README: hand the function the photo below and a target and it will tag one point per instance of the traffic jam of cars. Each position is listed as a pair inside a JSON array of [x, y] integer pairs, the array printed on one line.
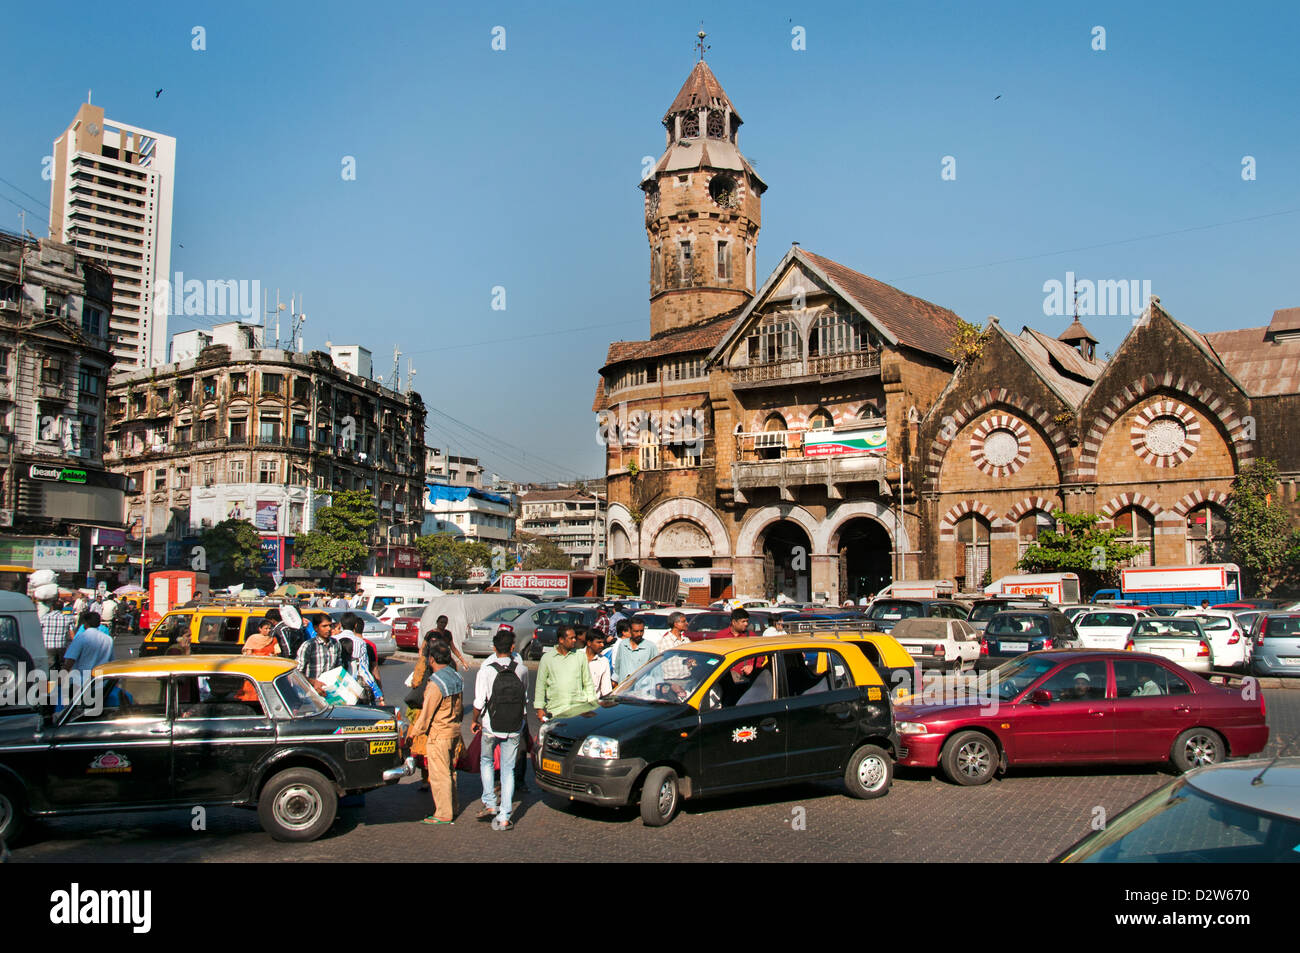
[[754, 695]]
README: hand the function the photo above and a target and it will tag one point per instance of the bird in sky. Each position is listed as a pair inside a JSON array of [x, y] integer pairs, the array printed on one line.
[[157, 93], [997, 97]]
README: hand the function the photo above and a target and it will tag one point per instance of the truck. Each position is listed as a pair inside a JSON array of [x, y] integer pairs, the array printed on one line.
[[1061, 588], [918, 589], [379, 592], [1183, 585], [171, 588], [649, 583]]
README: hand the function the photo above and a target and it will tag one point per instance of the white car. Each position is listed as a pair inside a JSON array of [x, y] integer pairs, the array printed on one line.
[[393, 610], [950, 644], [1105, 628], [656, 621], [1228, 638], [1073, 612]]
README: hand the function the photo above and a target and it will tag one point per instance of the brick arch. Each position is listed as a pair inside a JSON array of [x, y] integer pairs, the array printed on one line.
[[1197, 497], [971, 408], [685, 508], [1028, 505], [759, 520], [1115, 504], [1208, 402], [948, 525]]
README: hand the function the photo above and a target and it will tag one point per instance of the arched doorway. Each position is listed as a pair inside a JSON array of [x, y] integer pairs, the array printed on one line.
[[866, 564], [787, 561]]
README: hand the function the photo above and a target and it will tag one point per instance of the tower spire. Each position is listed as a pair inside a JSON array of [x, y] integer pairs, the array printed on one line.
[[699, 43]]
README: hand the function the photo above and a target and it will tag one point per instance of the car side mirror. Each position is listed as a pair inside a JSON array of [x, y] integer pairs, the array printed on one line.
[[1040, 697]]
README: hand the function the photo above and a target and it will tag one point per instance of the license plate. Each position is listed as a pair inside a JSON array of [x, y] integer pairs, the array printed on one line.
[[1289, 661], [1015, 646], [1168, 653], [552, 766], [383, 747]]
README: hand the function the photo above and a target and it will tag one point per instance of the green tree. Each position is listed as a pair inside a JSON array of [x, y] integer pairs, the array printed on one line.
[[541, 553], [341, 539], [1263, 539], [234, 553], [449, 559], [1093, 553]]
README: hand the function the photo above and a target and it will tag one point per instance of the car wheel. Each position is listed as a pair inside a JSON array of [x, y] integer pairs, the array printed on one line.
[[297, 805], [1196, 747], [11, 814], [969, 758], [869, 772], [660, 797], [12, 657]]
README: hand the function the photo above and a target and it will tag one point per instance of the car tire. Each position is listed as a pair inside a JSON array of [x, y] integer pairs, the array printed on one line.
[[969, 758], [1196, 747], [660, 797], [12, 820], [869, 773], [298, 804], [11, 658]]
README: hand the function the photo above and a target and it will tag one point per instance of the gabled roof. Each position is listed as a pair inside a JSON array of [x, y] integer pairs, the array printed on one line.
[[1285, 319], [1060, 366], [699, 337], [700, 89], [902, 319]]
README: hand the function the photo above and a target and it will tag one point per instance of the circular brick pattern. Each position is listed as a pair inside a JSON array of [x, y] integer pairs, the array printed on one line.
[[1000, 445], [1165, 433]]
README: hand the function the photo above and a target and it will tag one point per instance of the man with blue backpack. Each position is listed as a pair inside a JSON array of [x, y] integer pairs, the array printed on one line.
[[500, 702]]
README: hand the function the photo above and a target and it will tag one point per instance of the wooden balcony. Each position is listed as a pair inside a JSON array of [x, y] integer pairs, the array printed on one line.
[[854, 363]]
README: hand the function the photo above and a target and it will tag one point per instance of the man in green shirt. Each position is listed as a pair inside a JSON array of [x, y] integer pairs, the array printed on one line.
[[564, 678]]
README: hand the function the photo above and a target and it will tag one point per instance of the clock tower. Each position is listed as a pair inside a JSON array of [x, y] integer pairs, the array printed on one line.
[[702, 210]]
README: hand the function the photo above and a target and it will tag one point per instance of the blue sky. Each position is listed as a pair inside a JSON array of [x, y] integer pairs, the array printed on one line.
[[519, 168]]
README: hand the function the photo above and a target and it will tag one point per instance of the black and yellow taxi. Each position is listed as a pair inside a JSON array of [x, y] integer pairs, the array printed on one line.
[[214, 629], [901, 672], [726, 715], [196, 730]]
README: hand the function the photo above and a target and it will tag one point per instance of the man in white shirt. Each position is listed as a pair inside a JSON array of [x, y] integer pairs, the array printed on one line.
[[593, 642], [106, 612], [508, 737], [676, 634]]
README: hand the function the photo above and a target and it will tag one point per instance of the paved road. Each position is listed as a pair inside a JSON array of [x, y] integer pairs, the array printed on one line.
[[1025, 816]]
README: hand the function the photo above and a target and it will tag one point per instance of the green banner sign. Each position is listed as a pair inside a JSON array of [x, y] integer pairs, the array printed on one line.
[[825, 443]]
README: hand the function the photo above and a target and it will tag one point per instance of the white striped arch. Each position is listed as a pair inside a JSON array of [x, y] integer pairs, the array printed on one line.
[[1204, 398], [692, 510], [948, 525], [969, 409], [1125, 500], [1028, 505], [1194, 499]]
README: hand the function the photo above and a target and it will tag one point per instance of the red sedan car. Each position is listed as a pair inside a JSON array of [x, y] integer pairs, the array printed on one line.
[[406, 631], [1068, 706]]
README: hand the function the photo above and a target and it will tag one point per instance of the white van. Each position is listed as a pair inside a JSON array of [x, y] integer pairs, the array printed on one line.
[[918, 589], [380, 592]]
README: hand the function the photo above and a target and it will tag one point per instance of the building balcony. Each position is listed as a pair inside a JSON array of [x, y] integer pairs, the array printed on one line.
[[778, 462], [853, 363]]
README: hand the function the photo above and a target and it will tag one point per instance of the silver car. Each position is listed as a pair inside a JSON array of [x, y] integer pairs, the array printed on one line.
[[1178, 639], [481, 633], [377, 631]]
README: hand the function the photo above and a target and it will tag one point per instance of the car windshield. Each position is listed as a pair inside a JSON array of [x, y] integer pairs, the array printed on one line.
[[298, 694], [982, 613], [503, 615], [653, 620], [670, 678], [1016, 624], [1214, 622], [890, 609], [705, 621], [1012, 678], [1281, 625], [1167, 628], [1180, 825], [1108, 619]]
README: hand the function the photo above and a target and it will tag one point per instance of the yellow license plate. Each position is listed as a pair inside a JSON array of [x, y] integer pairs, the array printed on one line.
[[383, 747], [553, 766]]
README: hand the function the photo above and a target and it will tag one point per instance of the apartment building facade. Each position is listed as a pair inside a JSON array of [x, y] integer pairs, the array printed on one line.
[[266, 435], [572, 519], [56, 496], [111, 200]]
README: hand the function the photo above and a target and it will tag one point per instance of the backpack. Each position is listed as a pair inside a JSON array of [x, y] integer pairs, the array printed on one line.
[[505, 706]]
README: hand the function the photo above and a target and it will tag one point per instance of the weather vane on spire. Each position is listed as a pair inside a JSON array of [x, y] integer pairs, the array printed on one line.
[[700, 43]]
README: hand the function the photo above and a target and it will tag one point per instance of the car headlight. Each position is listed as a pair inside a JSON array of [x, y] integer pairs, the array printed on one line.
[[911, 728], [595, 746]]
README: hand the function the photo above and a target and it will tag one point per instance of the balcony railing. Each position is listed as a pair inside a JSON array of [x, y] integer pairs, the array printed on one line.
[[776, 460], [816, 366]]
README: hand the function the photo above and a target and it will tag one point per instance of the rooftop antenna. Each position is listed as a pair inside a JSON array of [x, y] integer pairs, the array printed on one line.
[[395, 382], [410, 374], [299, 320]]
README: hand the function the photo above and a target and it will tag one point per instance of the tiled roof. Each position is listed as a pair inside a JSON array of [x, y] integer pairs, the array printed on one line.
[[554, 496], [914, 321], [598, 403], [1285, 319], [700, 337], [1075, 331], [1060, 365], [1265, 367], [700, 89]]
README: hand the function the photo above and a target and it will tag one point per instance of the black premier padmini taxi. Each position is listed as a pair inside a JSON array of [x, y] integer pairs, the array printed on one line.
[[727, 715], [196, 730]]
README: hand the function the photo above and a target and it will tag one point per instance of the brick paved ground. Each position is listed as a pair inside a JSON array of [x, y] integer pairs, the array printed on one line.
[[1026, 816]]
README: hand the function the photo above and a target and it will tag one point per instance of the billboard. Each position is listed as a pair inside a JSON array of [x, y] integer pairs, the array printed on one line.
[[267, 518], [547, 581], [826, 442]]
